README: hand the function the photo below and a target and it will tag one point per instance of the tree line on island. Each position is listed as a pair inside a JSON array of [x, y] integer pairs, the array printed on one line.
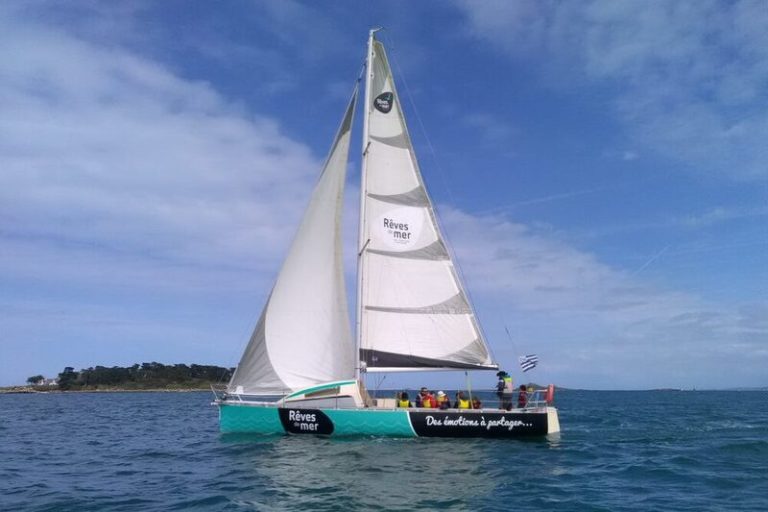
[[144, 376]]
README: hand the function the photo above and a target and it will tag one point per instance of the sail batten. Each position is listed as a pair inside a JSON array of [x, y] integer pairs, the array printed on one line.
[[413, 311], [435, 251], [456, 305], [415, 197], [396, 141]]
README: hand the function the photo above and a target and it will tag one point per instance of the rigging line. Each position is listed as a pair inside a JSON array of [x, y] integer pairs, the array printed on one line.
[[379, 382], [559, 196], [441, 173], [362, 71], [432, 151], [651, 260], [722, 247], [538, 200], [514, 345]]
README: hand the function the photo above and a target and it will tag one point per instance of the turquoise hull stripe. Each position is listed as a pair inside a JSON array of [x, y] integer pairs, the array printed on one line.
[[346, 422], [238, 418], [351, 422]]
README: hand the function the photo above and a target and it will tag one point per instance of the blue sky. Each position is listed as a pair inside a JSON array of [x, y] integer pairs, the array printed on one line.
[[600, 169]]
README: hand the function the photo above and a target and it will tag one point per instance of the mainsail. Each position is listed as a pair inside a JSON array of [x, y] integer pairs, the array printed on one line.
[[303, 336], [413, 311]]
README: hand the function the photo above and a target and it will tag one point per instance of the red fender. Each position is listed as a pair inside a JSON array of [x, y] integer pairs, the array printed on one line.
[[550, 396]]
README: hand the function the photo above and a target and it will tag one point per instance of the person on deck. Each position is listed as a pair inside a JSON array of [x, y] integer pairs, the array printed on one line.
[[442, 401], [426, 399], [462, 402], [476, 403], [522, 397], [504, 390], [402, 400]]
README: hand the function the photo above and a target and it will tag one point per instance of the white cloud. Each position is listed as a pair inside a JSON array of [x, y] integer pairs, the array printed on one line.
[[128, 194], [594, 324], [687, 78], [718, 216], [492, 130], [104, 151], [629, 155]]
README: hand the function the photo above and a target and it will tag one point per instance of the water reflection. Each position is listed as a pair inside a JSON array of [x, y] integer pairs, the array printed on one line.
[[362, 473]]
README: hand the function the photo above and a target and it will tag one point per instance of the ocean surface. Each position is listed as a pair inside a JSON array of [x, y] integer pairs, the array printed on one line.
[[660, 450]]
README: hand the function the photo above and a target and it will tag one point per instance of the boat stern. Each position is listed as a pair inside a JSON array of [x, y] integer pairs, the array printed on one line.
[[553, 421]]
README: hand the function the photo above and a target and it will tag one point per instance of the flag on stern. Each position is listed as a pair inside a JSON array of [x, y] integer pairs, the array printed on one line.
[[528, 362]]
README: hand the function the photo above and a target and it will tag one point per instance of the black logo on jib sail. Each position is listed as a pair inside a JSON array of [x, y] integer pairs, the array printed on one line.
[[383, 102]]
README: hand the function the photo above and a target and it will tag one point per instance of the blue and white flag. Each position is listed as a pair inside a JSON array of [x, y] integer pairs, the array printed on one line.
[[528, 362]]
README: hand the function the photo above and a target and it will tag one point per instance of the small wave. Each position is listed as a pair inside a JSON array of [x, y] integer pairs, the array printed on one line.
[[755, 447], [207, 501]]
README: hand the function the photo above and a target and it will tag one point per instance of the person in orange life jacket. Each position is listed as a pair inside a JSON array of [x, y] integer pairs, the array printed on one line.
[[402, 400], [442, 401], [522, 397], [426, 399], [476, 403], [504, 390], [462, 402]]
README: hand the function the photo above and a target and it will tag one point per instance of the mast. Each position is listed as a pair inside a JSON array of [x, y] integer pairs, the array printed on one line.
[[361, 244]]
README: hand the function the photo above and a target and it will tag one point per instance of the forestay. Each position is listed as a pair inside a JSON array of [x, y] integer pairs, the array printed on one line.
[[414, 311]]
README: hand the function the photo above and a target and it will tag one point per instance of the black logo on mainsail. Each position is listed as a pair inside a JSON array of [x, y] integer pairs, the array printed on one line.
[[383, 102]]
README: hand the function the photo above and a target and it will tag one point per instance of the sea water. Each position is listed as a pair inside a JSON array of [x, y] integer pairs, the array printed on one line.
[[653, 450]]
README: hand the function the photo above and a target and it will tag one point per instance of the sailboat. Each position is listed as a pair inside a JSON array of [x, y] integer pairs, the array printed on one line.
[[302, 370]]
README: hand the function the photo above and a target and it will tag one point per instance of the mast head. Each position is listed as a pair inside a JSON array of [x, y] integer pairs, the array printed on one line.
[[373, 31]]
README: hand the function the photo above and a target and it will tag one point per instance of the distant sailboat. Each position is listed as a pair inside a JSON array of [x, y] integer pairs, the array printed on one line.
[[412, 311]]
